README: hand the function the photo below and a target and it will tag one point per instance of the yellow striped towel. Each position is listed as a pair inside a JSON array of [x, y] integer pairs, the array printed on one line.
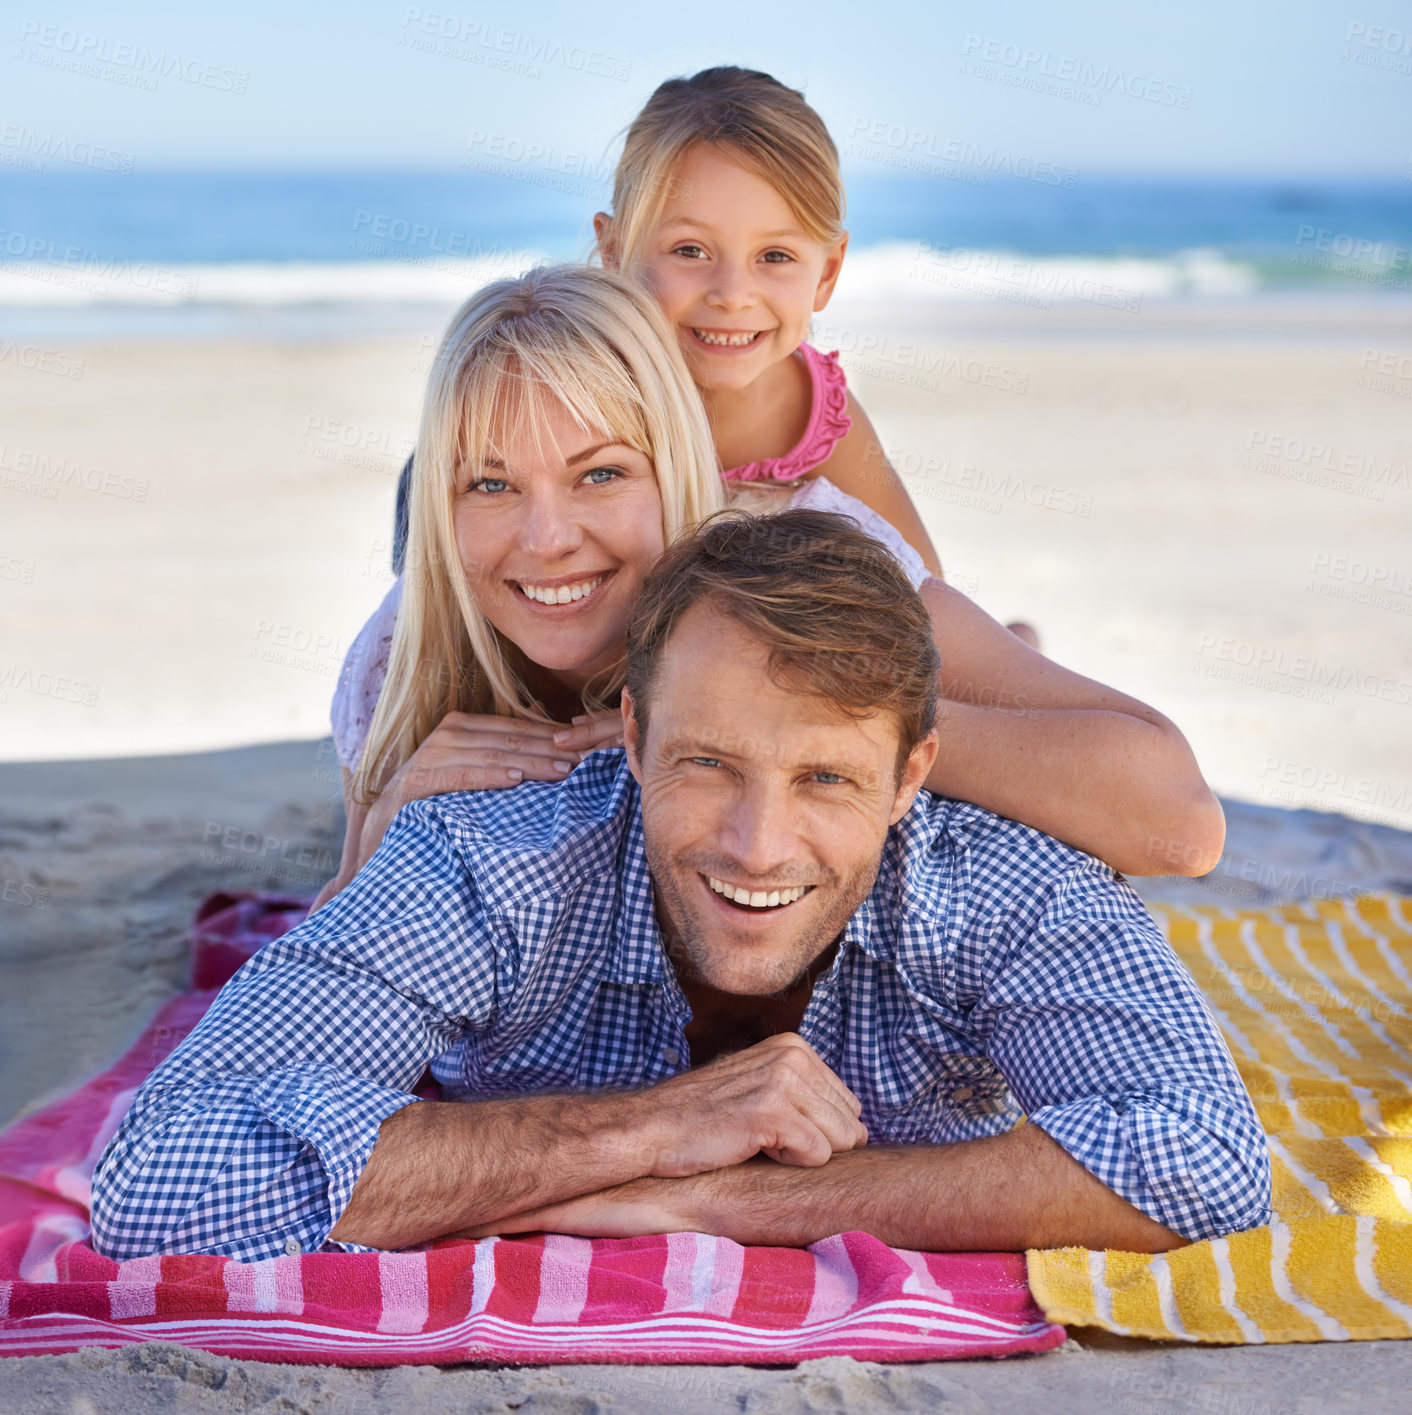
[[1315, 1000]]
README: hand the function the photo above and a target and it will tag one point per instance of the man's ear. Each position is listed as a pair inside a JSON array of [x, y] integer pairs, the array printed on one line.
[[632, 737], [914, 775], [833, 265], [603, 234]]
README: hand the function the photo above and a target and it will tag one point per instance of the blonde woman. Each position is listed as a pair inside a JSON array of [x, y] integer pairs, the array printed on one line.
[[562, 446]]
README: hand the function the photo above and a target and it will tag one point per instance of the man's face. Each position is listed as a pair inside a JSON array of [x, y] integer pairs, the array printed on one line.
[[764, 810]]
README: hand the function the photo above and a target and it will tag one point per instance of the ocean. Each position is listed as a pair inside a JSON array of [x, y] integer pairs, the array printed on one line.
[[87, 254]]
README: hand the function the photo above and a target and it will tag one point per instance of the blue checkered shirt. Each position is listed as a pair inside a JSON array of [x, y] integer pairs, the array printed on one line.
[[509, 939]]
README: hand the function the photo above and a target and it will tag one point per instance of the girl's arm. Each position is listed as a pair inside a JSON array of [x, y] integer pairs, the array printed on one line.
[[1030, 740], [859, 466]]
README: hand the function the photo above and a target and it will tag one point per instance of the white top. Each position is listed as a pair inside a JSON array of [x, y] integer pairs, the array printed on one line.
[[365, 667]]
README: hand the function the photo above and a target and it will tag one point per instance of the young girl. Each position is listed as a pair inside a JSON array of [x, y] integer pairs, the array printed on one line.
[[727, 204]]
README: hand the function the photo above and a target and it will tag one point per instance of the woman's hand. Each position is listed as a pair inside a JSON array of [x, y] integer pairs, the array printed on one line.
[[591, 731], [477, 752]]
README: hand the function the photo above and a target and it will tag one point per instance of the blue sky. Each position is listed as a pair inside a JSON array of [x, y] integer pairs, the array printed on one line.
[[1301, 87]]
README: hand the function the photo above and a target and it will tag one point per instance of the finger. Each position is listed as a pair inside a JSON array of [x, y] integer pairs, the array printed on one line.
[[492, 722], [821, 1075], [585, 736], [801, 1143], [502, 729], [842, 1130], [496, 751], [790, 1050], [442, 779]]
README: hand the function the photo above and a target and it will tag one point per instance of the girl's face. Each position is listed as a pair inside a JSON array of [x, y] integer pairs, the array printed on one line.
[[733, 270], [556, 539]]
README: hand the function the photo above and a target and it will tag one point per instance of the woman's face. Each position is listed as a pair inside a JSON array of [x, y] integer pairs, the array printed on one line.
[[556, 539]]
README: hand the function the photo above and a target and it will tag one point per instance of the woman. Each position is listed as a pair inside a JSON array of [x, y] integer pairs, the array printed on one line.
[[562, 445]]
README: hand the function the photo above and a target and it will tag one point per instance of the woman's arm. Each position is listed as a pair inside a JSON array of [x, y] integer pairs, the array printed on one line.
[[1030, 740], [859, 466], [354, 813]]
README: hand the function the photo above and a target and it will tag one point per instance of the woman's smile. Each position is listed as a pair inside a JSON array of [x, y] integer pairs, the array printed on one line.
[[567, 590]]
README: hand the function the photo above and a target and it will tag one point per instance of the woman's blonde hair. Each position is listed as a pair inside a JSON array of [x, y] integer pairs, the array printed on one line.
[[569, 333], [767, 127]]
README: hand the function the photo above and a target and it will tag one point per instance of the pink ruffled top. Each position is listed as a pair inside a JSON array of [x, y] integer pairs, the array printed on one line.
[[828, 424]]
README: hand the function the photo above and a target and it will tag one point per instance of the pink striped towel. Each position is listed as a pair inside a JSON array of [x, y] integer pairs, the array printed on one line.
[[682, 1297]]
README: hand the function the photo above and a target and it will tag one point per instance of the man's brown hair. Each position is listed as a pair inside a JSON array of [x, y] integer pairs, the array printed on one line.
[[838, 615]]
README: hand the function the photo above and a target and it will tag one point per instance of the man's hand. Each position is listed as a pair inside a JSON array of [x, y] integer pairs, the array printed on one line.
[[776, 1098]]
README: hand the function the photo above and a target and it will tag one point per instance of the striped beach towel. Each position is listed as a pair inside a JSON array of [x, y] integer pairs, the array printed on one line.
[[682, 1297], [1315, 1000]]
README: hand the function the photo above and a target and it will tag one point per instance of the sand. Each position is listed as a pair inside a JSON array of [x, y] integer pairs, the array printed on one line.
[[193, 531], [1210, 512]]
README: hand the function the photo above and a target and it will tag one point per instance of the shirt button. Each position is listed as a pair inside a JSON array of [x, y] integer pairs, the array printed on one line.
[[671, 1055], [291, 1246], [964, 1094]]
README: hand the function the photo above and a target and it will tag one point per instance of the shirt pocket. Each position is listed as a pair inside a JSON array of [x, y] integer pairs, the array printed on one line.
[[935, 1092]]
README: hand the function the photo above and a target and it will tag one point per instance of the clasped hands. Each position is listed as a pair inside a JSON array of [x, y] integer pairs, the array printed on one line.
[[773, 1103]]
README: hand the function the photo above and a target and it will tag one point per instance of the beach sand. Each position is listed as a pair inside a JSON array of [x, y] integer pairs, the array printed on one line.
[[193, 531]]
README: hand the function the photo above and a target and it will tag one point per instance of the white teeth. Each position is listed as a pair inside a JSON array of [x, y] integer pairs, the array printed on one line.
[[759, 898], [731, 341], [561, 594]]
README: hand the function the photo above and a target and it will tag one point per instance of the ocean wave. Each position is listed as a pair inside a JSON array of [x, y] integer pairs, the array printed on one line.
[[435, 280], [914, 270], [908, 271]]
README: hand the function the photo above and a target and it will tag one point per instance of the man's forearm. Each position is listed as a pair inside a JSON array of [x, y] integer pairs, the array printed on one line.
[[1114, 785], [440, 1167], [1007, 1193]]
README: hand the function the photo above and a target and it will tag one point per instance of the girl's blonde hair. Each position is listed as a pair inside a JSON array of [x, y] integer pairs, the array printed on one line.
[[767, 127], [600, 346]]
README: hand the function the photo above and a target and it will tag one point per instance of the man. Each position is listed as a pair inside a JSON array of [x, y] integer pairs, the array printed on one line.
[[742, 978]]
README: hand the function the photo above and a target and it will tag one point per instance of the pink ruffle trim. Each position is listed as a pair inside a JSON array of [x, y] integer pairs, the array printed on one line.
[[829, 424]]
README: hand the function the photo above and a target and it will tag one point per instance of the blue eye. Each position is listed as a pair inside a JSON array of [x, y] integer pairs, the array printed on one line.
[[828, 778], [601, 476], [706, 761], [490, 485]]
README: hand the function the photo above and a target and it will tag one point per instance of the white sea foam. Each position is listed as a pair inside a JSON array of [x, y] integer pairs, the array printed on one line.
[[434, 280], [916, 270], [895, 270]]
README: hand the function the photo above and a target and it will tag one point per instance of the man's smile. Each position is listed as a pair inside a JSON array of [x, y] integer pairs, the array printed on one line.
[[777, 897]]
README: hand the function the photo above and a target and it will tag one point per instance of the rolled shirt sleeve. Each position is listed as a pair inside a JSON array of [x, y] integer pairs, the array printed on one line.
[[248, 1140], [1108, 1045]]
